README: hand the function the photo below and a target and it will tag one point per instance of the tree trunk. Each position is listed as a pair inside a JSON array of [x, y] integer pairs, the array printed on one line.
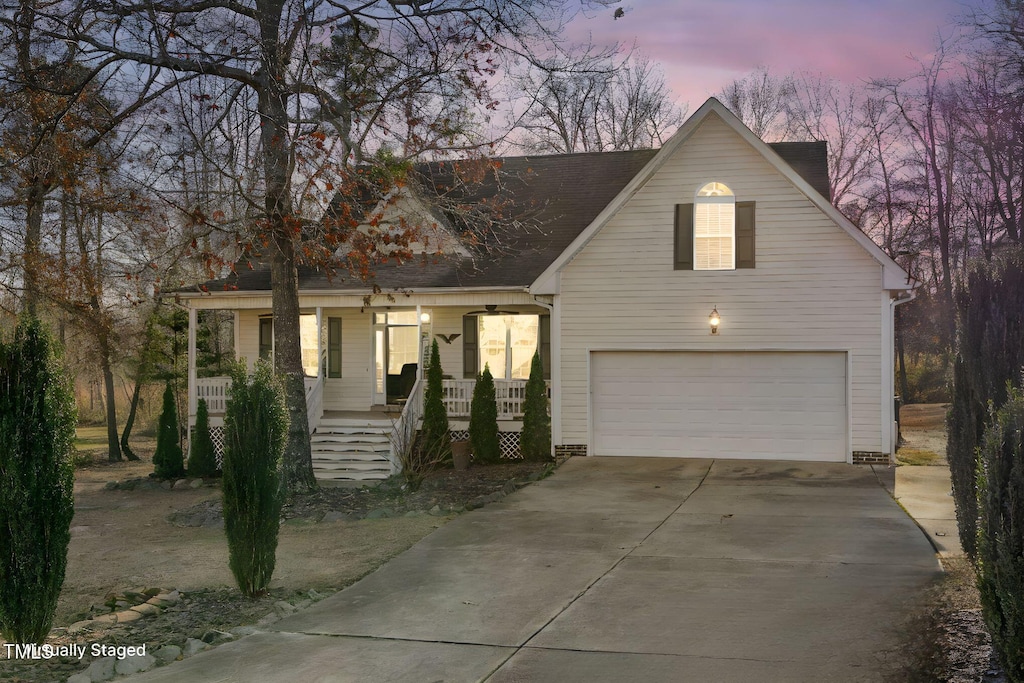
[[297, 467], [130, 422], [113, 444]]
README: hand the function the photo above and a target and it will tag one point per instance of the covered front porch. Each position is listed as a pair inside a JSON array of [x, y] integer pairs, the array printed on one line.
[[365, 371]]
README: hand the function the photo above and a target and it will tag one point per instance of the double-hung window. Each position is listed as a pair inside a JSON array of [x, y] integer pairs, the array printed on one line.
[[715, 232]]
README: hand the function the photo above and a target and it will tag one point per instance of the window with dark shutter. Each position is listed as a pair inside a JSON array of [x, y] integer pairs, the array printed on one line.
[[334, 347], [684, 237], [745, 234], [470, 346]]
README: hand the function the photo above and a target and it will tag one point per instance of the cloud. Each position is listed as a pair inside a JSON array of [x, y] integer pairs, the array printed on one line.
[[702, 46]]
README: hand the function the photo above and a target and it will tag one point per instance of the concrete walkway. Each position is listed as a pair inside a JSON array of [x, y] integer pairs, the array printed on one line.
[[621, 569], [925, 492]]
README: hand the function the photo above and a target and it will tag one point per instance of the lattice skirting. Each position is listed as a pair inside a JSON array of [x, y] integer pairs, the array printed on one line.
[[217, 434], [508, 441]]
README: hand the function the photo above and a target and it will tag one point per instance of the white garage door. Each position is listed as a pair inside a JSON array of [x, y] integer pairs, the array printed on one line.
[[785, 406]]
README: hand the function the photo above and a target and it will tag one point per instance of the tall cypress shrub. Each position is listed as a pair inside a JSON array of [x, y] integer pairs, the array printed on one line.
[[989, 356], [535, 439], [255, 428], [1000, 560], [483, 420], [37, 430], [168, 460], [437, 441], [202, 454]]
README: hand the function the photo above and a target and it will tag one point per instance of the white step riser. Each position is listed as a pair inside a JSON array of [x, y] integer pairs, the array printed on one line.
[[360, 438], [355, 424], [352, 450]]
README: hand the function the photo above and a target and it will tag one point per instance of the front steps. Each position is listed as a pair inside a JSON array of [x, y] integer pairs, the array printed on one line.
[[352, 450]]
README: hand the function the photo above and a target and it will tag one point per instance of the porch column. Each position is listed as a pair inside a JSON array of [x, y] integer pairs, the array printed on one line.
[[237, 335], [192, 403]]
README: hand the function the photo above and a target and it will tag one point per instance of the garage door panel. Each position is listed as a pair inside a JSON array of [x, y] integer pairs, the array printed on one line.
[[784, 405]]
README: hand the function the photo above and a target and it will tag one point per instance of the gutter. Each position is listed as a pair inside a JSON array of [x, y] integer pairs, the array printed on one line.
[[230, 294]]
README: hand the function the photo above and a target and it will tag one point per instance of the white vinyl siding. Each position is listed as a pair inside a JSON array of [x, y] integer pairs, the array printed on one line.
[[780, 405], [814, 287]]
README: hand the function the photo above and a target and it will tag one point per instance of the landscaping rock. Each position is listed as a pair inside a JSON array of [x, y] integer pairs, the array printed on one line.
[[167, 654], [135, 664], [101, 669], [146, 609], [111, 486], [314, 595], [380, 513], [79, 626], [127, 616], [269, 619], [192, 646], [80, 678], [303, 604], [436, 511], [215, 637], [180, 484], [283, 607], [414, 513], [196, 484], [166, 485]]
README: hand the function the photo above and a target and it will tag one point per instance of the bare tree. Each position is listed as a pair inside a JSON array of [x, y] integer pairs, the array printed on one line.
[[759, 100], [591, 102]]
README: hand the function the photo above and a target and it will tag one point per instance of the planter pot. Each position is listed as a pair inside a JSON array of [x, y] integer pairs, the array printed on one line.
[[460, 455]]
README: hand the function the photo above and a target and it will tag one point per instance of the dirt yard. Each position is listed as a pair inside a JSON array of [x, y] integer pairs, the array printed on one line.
[[124, 541]]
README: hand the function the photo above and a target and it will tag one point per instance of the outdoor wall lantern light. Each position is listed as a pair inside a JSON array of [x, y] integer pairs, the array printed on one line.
[[424, 317], [714, 320]]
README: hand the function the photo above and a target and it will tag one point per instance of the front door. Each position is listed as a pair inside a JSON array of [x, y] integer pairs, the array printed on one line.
[[396, 344]]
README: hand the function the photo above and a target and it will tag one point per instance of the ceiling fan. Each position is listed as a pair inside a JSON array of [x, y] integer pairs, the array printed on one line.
[[492, 309]]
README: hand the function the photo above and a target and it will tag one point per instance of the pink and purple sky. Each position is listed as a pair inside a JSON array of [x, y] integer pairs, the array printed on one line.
[[702, 45]]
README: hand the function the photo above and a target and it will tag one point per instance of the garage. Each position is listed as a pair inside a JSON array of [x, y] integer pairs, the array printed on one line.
[[769, 405]]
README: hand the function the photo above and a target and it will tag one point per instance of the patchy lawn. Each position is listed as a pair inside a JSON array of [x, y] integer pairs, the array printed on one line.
[[122, 542]]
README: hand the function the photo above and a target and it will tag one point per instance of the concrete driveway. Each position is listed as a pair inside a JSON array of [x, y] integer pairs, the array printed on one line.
[[621, 569]]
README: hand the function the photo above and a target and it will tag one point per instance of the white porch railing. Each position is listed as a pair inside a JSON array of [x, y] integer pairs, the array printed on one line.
[[509, 394], [314, 401], [403, 431], [216, 391]]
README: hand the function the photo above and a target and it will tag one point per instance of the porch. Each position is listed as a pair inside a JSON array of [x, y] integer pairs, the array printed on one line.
[[457, 394], [359, 446]]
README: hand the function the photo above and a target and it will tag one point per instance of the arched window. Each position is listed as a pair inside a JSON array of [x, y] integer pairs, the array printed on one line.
[[714, 228]]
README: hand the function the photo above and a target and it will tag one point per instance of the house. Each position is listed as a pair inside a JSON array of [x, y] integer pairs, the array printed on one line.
[[701, 300]]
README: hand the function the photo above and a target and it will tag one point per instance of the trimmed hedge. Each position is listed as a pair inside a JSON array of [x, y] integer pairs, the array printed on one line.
[[483, 420], [989, 357], [168, 460], [535, 439], [37, 431], [255, 429], [202, 455], [1000, 560]]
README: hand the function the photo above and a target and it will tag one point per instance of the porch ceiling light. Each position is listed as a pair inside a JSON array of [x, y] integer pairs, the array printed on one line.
[[714, 320]]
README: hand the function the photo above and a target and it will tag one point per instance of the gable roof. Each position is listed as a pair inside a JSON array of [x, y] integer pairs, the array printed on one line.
[[563, 199], [893, 276]]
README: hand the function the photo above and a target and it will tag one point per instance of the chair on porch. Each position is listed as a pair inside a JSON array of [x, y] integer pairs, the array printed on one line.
[[400, 386]]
